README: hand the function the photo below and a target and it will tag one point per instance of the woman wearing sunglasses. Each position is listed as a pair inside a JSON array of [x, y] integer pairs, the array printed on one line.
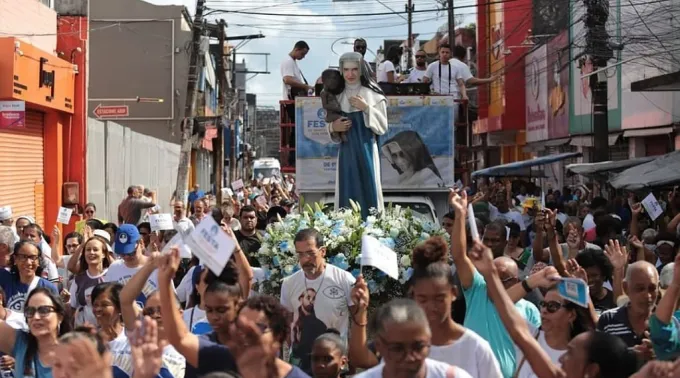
[[34, 350], [561, 321]]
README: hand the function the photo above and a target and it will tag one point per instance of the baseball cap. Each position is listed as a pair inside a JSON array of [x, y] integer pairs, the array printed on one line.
[[5, 213], [104, 235], [127, 237]]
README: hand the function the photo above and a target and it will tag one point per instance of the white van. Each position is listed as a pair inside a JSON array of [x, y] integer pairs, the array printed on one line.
[[266, 168]]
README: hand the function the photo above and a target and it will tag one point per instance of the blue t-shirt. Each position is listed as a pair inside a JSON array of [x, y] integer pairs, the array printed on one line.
[[212, 357], [19, 353], [16, 292], [665, 337], [482, 317]]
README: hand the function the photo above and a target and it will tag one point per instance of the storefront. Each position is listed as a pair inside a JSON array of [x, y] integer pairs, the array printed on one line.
[[36, 101]]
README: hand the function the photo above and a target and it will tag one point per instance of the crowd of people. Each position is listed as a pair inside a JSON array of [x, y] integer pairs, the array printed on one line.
[[117, 300]]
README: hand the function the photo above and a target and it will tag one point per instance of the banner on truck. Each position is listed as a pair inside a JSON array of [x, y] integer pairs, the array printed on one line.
[[416, 153]]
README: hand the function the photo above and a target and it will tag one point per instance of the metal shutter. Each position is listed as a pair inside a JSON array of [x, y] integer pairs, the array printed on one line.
[[21, 168]]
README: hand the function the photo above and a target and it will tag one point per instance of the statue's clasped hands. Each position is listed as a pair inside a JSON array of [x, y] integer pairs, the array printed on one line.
[[359, 103], [341, 125]]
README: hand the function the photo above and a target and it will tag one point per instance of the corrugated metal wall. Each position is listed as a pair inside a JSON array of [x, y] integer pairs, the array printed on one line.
[[118, 157]]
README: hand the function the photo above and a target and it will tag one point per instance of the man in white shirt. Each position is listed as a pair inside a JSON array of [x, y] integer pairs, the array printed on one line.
[[418, 72], [446, 78], [318, 295], [293, 79]]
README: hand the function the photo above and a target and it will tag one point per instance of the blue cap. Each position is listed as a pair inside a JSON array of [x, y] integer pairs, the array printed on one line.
[[127, 237]]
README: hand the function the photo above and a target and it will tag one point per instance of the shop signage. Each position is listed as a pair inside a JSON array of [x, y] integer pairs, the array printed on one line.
[[12, 114], [112, 111]]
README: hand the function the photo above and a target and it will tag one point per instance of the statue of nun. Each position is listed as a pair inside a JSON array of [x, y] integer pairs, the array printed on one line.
[[364, 110]]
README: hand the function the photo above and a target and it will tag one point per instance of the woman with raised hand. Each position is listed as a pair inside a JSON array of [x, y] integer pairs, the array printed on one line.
[[34, 349], [204, 354], [591, 354]]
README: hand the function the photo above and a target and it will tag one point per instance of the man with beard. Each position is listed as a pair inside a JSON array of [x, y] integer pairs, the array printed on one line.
[[418, 72], [249, 238], [318, 296]]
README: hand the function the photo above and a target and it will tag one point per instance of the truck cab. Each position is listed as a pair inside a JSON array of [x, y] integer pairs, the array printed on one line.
[[266, 168]]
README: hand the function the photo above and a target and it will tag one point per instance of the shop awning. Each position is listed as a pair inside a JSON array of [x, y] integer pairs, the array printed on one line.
[[663, 83], [661, 172], [507, 169], [645, 132], [539, 146], [587, 140], [603, 169]]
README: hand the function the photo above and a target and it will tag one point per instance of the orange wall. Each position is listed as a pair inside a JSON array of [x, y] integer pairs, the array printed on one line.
[[19, 80], [72, 34], [20, 76]]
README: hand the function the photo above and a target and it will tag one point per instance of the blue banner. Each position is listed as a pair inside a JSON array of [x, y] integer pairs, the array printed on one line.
[[416, 153]]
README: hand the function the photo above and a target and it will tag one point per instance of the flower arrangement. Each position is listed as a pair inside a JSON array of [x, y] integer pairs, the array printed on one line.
[[395, 227]]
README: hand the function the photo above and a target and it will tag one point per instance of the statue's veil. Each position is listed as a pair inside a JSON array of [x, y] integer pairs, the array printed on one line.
[[366, 78]]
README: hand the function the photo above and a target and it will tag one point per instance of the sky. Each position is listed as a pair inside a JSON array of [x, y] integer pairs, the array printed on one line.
[[328, 37]]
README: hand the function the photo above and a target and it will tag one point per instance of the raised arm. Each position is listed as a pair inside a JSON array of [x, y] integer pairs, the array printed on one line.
[[539, 360], [131, 290], [464, 267], [178, 335], [245, 272], [359, 354]]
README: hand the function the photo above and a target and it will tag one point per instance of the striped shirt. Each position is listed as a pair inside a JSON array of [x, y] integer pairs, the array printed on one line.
[[615, 322]]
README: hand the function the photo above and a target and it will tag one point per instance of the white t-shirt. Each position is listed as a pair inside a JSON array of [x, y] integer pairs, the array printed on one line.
[[554, 354], [463, 68], [289, 67], [383, 69], [118, 272], [589, 222], [196, 321], [317, 305], [471, 353], [435, 369], [510, 216], [174, 364], [16, 320], [443, 78], [415, 76], [185, 288]]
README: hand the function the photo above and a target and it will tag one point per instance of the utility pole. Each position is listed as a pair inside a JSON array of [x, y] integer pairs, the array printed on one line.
[[452, 24], [599, 51], [409, 10], [219, 149], [234, 116], [182, 188]]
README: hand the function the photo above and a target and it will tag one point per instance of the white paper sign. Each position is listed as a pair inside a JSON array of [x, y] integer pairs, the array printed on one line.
[[161, 222], [379, 256], [473, 223], [652, 206], [261, 200], [237, 185], [211, 245], [64, 215], [574, 290], [177, 241], [266, 181]]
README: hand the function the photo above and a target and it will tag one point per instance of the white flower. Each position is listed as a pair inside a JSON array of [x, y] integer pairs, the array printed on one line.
[[405, 261], [288, 269]]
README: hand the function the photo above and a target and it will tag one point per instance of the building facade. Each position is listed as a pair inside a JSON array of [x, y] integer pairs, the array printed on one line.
[[37, 99]]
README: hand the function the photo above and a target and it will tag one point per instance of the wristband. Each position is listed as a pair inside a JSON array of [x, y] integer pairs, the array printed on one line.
[[526, 287]]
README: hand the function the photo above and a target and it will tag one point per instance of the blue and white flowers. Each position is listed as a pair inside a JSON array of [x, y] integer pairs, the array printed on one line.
[[342, 229]]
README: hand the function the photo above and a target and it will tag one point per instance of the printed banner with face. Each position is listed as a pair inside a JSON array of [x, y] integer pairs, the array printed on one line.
[[416, 153]]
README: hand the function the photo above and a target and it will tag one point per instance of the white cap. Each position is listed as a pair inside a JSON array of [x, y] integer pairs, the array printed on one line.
[[666, 276], [5, 213], [106, 236]]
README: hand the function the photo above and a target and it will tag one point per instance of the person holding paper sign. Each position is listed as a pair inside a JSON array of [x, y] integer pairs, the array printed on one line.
[[318, 296], [590, 354]]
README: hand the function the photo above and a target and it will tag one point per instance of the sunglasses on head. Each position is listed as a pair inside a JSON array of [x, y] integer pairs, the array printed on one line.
[[551, 306]]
